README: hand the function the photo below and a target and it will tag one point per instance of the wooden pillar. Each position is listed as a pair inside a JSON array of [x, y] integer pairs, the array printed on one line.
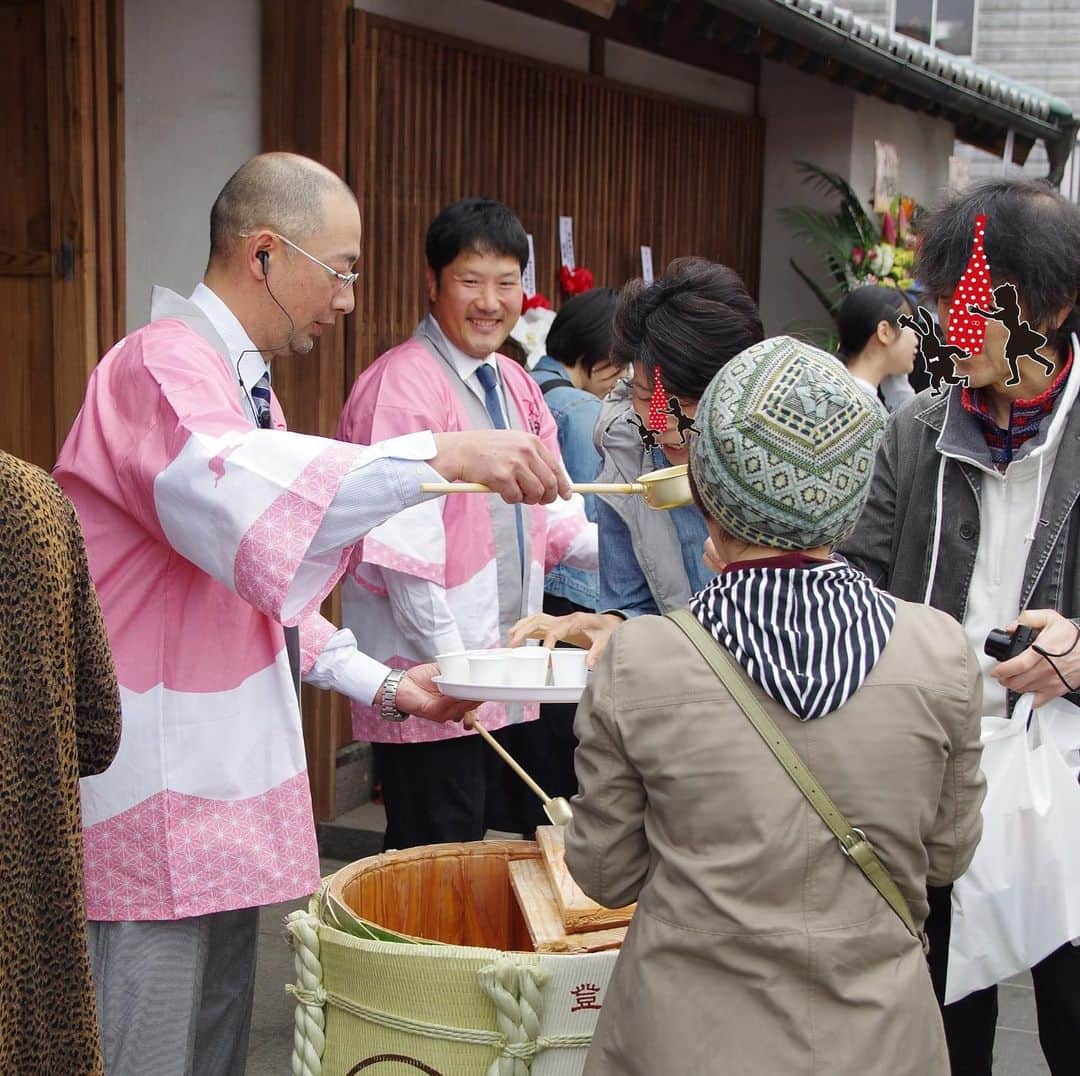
[[304, 104]]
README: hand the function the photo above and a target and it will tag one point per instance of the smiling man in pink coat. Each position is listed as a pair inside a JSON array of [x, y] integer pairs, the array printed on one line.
[[458, 572], [213, 534]]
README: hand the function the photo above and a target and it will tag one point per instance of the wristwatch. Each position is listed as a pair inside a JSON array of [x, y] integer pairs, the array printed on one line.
[[388, 711]]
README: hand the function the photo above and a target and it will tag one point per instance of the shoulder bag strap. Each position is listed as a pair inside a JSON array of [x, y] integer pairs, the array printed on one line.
[[556, 383], [853, 842]]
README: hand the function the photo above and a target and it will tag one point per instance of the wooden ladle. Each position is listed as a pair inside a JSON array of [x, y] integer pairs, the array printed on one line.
[[557, 809], [664, 489]]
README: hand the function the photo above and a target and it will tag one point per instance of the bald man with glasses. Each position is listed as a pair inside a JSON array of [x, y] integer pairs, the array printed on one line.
[[213, 534]]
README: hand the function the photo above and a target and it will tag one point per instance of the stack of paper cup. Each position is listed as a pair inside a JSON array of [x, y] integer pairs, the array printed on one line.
[[568, 667], [454, 667], [489, 668], [529, 666]]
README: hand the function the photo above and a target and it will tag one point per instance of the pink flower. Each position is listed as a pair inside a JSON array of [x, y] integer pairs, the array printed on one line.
[[888, 229], [857, 255]]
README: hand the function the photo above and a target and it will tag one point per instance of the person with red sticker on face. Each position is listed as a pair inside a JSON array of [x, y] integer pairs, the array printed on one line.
[[675, 333], [974, 507]]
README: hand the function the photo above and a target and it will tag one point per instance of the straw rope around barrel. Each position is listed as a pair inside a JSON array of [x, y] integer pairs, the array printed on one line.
[[371, 930], [309, 1018], [514, 988]]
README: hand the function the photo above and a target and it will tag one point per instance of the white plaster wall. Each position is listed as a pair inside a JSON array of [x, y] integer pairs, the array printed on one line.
[[806, 119], [922, 142], [811, 119], [191, 103]]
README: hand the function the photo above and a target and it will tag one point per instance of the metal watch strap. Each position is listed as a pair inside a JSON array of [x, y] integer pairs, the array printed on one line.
[[853, 842], [388, 710]]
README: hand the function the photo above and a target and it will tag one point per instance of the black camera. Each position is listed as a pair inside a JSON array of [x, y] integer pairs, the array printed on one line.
[[1002, 645]]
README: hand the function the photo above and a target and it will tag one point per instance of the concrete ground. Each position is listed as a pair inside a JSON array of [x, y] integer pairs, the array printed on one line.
[[1016, 1048]]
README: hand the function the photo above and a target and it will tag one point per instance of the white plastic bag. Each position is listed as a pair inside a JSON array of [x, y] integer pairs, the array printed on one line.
[[1020, 898]]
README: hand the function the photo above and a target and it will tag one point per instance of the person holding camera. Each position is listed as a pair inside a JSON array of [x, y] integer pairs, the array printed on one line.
[[973, 509]]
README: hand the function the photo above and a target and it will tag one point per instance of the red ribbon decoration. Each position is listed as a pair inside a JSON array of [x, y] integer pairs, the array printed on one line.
[[539, 301], [575, 281], [658, 404], [968, 330]]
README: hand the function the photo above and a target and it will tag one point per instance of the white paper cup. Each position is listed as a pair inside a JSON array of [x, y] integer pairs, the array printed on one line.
[[529, 666], [568, 667], [455, 666], [489, 668]]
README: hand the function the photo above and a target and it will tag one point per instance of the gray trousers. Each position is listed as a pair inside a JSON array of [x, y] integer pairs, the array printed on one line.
[[174, 998]]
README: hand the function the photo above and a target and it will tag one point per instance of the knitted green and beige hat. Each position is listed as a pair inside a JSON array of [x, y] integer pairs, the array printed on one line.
[[785, 446]]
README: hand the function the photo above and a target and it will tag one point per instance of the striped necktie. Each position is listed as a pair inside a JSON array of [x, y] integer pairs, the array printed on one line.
[[488, 381], [260, 401]]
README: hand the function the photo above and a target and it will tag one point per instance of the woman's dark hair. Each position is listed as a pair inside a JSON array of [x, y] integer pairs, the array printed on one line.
[[689, 323], [479, 224], [580, 335], [862, 312], [1032, 240]]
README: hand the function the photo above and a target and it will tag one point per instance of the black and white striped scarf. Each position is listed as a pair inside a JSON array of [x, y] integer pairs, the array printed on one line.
[[809, 636]]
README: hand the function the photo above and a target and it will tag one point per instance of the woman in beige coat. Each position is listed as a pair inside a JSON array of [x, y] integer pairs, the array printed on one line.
[[758, 947]]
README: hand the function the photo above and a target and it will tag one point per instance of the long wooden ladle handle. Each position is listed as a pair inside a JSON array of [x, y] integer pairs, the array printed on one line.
[[511, 762], [577, 487]]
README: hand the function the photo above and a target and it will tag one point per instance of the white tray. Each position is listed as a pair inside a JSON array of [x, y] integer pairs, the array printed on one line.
[[494, 693]]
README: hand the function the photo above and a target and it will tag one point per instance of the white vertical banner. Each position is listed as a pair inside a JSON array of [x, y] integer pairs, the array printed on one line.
[[646, 265], [528, 278], [886, 175], [566, 241]]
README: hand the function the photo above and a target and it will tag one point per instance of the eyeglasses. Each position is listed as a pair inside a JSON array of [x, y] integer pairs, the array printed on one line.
[[345, 280]]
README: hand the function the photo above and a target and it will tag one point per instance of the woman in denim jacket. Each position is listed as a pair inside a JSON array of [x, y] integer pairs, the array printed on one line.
[[575, 374], [686, 325]]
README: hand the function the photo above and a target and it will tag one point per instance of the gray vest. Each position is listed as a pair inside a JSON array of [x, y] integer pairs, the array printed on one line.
[[512, 588], [652, 533]]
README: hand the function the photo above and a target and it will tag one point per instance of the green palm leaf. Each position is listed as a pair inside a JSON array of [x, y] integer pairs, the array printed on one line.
[[851, 212], [830, 302]]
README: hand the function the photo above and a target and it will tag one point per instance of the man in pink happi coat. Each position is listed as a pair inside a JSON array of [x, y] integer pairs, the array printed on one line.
[[456, 573], [209, 527]]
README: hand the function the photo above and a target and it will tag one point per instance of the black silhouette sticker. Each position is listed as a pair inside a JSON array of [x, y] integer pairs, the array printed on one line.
[[939, 358], [1023, 341]]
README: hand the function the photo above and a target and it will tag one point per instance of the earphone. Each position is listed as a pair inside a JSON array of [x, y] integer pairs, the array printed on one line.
[[263, 258]]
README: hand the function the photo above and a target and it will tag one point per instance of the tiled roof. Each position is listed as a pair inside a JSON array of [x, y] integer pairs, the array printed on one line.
[[941, 79]]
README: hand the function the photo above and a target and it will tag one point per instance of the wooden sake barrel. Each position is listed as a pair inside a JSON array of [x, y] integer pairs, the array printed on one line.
[[421, 961]]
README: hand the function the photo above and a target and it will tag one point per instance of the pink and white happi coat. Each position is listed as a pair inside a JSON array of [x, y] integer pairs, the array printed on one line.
[[448, 543], [198, 527]]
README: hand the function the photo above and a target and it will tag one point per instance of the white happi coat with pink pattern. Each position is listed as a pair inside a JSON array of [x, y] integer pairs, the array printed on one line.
[[199, 532], [457, 554]]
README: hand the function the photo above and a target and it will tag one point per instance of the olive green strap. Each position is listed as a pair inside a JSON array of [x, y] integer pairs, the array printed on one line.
[[853, 842]]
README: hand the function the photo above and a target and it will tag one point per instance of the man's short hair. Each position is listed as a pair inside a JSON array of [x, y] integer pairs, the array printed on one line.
[[1032, 240], [280, 191], [475, 224]]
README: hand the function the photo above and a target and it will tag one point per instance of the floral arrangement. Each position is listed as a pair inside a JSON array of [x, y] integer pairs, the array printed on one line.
[[575, 281], [857, 247]]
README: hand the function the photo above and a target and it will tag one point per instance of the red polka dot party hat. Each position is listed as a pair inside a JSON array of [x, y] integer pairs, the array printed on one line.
[[968, 330], [658, 404]]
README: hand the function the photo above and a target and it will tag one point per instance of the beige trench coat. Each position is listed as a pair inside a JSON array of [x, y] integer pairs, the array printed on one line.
[[757, 947]]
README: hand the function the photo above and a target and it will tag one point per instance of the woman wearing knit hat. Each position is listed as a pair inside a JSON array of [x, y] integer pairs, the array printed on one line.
[[758, 946], [675, 334]]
